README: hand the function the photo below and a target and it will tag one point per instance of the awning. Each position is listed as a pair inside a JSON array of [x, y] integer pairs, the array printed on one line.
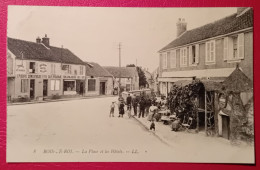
[[204, 73], [210, 85]]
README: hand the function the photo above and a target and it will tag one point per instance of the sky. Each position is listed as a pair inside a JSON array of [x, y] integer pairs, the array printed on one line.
[[94, 33]]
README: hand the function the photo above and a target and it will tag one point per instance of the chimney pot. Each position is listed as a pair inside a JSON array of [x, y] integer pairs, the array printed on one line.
[[181, 26], [46, 41], [38, 40]]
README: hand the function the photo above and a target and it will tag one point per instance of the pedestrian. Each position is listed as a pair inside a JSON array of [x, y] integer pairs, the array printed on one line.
[[112, 109], [129, 101], [152, 111], [176, 125], [121, 109], [128, 111], [135, 103], [148, 103], [142, 107], [152, 126]]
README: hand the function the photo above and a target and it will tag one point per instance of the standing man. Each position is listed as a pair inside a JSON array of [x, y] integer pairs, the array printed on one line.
[[135, 103], [142, 107], [129, 102]]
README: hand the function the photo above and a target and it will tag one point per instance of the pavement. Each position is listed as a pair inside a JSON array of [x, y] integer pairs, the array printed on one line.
[[58, 100]]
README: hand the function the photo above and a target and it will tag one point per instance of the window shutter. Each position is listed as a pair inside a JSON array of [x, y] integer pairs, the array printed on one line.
[[214, 51], [225, 55], [197, 53], [27, 66], [190, 55], [185, 62], [241, 46], [207, 51], [174, 59], [36, 67], [230, 48]]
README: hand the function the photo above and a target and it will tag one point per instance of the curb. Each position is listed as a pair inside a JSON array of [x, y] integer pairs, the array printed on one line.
[[57, 100], [158, 136]]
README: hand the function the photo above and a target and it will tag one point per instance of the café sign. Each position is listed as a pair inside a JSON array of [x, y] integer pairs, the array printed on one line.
[[39, 76]]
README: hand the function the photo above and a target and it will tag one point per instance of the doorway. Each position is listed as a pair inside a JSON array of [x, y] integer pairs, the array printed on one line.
[[102, 88], [45, 87], [32, 88], [225, 127]]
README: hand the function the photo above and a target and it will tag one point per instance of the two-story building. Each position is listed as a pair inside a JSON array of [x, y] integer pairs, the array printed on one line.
[[98, 80], [129, 77], [208, 52], [37, 70]]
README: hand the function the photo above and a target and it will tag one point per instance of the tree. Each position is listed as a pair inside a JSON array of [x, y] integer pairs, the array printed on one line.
[[142, 78]]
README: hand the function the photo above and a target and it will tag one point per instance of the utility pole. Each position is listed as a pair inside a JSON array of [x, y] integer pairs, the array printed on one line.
[[119, 88]]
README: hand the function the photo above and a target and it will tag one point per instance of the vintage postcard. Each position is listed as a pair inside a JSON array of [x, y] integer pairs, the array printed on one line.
[[99, 84]]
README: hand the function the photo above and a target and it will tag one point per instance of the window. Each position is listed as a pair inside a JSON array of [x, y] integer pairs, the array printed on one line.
[[164, 61], [53, 68], [194, 54], [24, 85], [183, 57], [173, 59], [55, 85], [32, 67], [210, 51], [91, 84], [81, 70], [233, 47], [67, 68], [75, 72]]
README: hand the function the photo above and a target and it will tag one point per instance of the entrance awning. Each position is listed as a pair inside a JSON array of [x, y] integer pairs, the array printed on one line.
[[210, 85]]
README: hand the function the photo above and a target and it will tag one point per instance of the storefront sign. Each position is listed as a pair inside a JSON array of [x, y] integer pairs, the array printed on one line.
[[43, 68], [38, 76]]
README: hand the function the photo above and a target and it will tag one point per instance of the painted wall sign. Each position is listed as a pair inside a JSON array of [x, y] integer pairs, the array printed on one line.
[[43, 68]]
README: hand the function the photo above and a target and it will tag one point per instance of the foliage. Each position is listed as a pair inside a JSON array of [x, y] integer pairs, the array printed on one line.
[[183, 100], [141, 74]]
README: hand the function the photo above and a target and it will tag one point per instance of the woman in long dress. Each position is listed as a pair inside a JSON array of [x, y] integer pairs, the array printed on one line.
[[152, 111]]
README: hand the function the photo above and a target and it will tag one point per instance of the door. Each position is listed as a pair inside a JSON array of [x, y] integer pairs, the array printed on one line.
[[45, 87], [102, 88], [225, 127], [32, 88]]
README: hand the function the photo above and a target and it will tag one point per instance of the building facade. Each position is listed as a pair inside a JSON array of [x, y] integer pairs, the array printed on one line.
[[208, 52], [37, 70], [129, 78], [98, 80]]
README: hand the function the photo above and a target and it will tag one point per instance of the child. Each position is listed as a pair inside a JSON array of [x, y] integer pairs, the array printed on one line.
[[152, 126], [112, 109], [128, 111]]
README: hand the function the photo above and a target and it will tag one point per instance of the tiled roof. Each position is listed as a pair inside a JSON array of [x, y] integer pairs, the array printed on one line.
[[94, 69], [125, 71], [223, 26], [37, 51]]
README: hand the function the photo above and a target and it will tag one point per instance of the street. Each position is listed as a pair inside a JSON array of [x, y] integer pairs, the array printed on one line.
[[82, 131]]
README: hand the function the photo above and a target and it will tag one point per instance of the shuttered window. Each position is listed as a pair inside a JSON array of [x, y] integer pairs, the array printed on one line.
[[173, 59], [234, 47], [55, 85], [210, 51], [183, 57]]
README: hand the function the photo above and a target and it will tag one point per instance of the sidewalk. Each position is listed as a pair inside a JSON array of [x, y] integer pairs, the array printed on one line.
[[57, 100], [181, 138]]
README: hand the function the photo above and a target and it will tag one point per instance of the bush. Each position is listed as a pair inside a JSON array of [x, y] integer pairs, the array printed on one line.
[[55, 96]]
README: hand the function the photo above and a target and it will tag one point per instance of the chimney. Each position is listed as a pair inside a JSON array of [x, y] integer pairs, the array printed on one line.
[[46, 41], [38, 40], [240, 10], [181, 26]]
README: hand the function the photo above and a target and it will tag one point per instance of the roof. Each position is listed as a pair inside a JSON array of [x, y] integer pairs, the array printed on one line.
[[37, 51], [238, 82], [125, 71], [223, 26], [94, 69]]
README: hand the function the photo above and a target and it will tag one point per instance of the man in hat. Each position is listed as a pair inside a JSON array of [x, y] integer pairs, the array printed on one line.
[[135, 103]]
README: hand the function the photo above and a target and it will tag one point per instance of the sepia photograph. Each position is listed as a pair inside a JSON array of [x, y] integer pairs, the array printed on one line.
[[121, 84]]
